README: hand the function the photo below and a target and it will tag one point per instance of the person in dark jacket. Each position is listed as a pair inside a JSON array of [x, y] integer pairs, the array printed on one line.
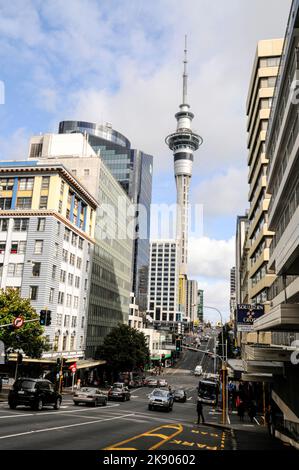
[[241, 410], [199, 409], [252, 411]]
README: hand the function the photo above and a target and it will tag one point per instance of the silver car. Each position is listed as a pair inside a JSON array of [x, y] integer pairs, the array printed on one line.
[[160, 399], [90, 395]]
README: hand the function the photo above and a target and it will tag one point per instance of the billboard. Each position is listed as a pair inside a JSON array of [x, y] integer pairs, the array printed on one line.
[[246, 314]]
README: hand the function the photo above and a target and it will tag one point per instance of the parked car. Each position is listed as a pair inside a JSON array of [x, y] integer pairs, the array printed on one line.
[[90, 395], [151, 382], [119, 392], [180, 395], [34, 393], [198, 370], [162, 383], [161, 399]]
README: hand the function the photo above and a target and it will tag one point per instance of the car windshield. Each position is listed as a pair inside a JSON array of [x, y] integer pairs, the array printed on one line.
[[88, 390], [116, 389], [179, 392], [159, 393], [25, 384]]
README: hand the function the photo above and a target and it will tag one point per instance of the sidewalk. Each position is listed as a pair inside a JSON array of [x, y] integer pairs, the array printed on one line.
[[250, 436]]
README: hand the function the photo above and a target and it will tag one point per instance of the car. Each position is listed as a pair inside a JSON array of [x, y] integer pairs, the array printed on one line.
[[151, 382], [180, 395], [198, 370], [35, 393], [162, 383], [117, 392], [90, 395], [161, 399]]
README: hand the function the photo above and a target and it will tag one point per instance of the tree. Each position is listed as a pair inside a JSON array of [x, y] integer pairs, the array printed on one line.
[[124, 349], [29, 337]]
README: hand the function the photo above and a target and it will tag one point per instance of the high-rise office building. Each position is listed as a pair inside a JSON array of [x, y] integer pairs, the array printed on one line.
[[111, 271], [191, 301], [241, 255], [47, 224], [133, 170], [200, 301], [259, 102], [163, 285]]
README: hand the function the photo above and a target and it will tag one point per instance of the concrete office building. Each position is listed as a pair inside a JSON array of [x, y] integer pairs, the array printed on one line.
[[241, 274], [282, 150], [191, 302], [163, 283], [232, 303], [200, 303], [47, 224], [133, 170], [111, 271], [259, 101]]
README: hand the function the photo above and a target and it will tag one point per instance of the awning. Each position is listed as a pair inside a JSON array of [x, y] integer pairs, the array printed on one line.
[[84, 363], [270, 367], [258, 377], [283, 317], [235, 368]]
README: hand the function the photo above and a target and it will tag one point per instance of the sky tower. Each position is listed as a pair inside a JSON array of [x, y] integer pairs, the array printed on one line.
[[183, 142]]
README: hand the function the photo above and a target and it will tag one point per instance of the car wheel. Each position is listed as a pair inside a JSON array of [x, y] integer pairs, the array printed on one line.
[[150, 407], [57, 404], [39, 404], [76, 403], [129, 398], [123, 398], [105, 403], [12, 405]]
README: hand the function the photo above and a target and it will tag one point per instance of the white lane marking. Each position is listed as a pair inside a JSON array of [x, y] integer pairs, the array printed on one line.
[[228, 419], [256, 421], [59, 412], [134, 396], [189, 398], [64, 427]]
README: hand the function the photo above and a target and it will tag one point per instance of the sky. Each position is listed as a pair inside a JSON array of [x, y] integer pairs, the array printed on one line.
[[120, 61]]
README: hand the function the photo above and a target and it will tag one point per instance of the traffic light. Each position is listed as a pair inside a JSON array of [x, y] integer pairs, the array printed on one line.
[[178, 345], [45, 317]]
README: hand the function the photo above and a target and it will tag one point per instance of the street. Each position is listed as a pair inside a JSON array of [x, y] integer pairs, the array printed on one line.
[[128, 425]]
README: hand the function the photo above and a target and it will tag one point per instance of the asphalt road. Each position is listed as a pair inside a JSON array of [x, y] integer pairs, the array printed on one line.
[[128, 425]]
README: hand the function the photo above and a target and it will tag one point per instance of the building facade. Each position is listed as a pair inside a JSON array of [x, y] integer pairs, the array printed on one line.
[[47, 224], [163, 283], [111, 272], [133, 170], [259, 101], [200, 303], [191, 302]]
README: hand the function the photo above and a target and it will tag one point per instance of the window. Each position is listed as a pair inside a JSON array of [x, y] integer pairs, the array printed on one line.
[[59, 319], [70, 279], [56, 250], [62, 275], [58, 229], [77, 282], [54, 271], [72, 343], [74, 322], [65, 255], [21, 225], [6, 184], [14, 248], [72, 259], [74, 172], [24, 203], [41, 225], [5, 203], [67, 233], [68, 300], [82, 322], [38, 248], [86, 172], [51, 295], [60, 207], [87, 266], [26, 184], [79, 263], [2, 247], [43, 202], [80, 245], [67, 320], [85, 284], [36, 269], [76, 302], [3, 225], [45, 182], [33, 292], [74, 239], [61, 187], [60, 297]]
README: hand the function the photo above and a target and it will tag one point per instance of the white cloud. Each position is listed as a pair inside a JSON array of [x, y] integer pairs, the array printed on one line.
[[210, 258], [216, 294], [225, 194], [15, 147]]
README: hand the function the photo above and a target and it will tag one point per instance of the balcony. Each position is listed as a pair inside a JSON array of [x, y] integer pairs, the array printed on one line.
[[283, 317]]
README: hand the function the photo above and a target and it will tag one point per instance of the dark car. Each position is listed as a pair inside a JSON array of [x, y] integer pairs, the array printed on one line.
[[119, 393], [34, 393], [180, 395]]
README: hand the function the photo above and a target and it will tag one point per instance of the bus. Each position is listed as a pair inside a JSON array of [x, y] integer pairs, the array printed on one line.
[[208, 391]]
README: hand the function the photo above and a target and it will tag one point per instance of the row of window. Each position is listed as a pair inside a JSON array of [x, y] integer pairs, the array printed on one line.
[[24, 184], [68, 321]]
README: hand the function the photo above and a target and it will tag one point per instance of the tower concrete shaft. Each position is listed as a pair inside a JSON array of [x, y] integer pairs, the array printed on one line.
[[183, 142]]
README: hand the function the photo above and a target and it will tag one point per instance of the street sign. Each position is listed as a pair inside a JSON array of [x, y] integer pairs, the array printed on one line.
[[18, 322], [73, 368], [246, 314]]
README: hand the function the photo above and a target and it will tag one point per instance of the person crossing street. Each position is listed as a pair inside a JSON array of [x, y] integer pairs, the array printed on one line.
[[199, 409]]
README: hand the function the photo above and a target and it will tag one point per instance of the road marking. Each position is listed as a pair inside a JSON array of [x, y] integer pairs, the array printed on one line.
[[63, 427], [152, 433], [58, 412], [189, 398], [256, 421]]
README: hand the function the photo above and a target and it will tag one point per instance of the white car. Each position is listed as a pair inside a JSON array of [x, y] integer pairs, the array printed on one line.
[[198, 370]]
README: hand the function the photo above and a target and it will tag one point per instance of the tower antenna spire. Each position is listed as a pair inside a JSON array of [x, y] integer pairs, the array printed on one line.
[[185, 75]]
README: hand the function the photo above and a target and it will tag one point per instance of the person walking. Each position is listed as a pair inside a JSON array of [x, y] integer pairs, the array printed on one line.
[[252, 411], [241, 410], [199, 409]]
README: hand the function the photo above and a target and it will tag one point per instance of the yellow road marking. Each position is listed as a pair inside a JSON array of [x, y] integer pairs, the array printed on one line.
[[152, 433]]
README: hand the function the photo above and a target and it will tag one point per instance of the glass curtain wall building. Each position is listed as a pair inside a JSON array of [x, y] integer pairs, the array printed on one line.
[[133, 170]]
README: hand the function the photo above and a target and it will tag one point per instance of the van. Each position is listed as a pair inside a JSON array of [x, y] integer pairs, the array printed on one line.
[[198, 370]]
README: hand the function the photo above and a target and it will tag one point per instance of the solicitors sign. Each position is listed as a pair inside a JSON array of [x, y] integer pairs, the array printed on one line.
[[246, 314]]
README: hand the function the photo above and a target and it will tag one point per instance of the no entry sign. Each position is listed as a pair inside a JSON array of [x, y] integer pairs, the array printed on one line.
[[73, 368]]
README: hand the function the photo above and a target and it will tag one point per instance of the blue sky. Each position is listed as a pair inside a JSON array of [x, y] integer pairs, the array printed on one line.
[[121, 62]]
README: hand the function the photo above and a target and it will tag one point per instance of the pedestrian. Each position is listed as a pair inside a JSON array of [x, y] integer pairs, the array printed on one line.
[[268, 420], [252, 411], [241, 410], [199, 409], [78, 384]]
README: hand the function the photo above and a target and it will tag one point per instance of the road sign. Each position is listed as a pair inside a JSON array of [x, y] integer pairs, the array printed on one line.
[[73, 368], [18, 322]]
